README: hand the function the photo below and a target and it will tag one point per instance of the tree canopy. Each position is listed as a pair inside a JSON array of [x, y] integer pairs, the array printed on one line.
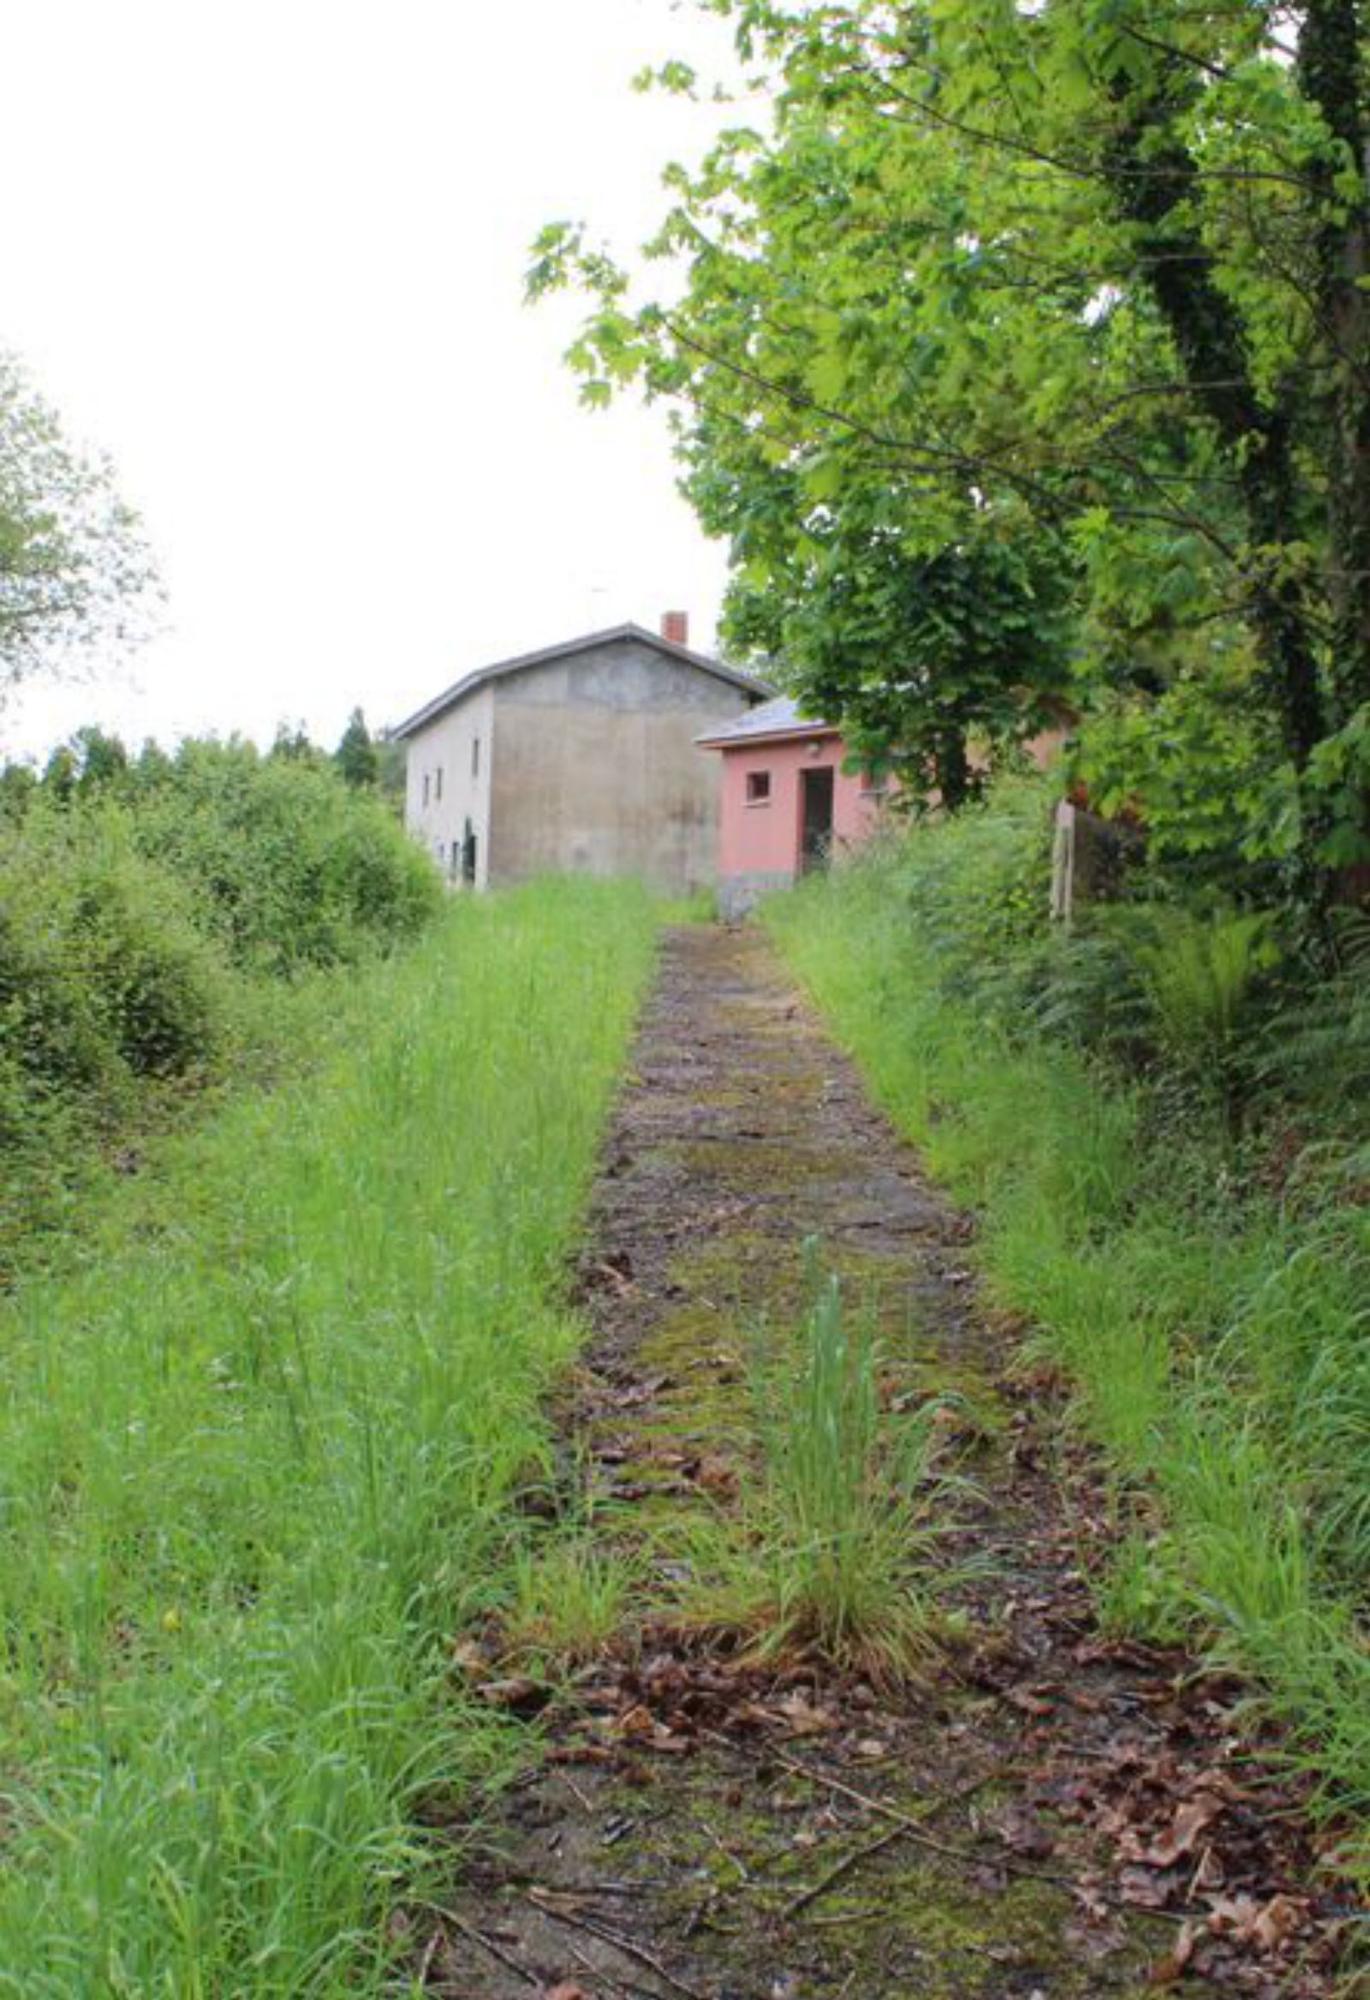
[[356, 757], [1084, 282], [75, 571]]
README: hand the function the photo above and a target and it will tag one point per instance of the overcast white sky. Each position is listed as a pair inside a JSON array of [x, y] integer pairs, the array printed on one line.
[[269, 255]]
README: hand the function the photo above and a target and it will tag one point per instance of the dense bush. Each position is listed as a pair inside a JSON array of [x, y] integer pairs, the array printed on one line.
[[292, 866], [1221, 1014], [145, 904], [104, 970]]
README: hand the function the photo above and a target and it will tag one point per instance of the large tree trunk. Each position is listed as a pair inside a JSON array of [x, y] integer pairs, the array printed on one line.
[[1329, 74], [1150, 184]]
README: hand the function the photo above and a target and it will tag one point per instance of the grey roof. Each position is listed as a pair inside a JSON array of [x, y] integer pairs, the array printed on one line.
[[780, 717], [545, 655]]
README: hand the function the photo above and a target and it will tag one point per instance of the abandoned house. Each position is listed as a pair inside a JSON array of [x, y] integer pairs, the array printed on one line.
[[580, 757], [787, 803]]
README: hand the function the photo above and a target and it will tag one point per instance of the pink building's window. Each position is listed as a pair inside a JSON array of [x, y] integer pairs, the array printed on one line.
[[758, 788]]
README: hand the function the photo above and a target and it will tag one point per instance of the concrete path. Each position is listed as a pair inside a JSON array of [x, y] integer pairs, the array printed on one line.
[[1049, 1813]]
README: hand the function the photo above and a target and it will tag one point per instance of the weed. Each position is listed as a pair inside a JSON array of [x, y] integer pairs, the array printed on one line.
[[570, 1599], [839, 1523], [1200, 978]]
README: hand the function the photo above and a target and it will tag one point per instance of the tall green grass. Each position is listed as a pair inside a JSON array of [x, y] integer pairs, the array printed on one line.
[[256, 1459], [846, 1500], [1217, 1335]]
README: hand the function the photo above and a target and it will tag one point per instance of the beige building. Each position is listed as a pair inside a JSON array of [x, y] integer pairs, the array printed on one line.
[[577, 758]]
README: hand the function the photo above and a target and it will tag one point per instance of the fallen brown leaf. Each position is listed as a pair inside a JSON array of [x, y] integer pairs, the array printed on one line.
[[1278, 1920], [1172, 1967], [519, 1694]]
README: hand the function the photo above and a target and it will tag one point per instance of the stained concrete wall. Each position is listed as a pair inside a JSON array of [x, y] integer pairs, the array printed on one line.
[[447, 780], [596, 769]]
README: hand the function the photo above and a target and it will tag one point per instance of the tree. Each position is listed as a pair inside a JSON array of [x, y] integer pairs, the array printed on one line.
[[75, 572], [355, 755], [931, 656], [291, 745], [102, 758], [1088, 275]]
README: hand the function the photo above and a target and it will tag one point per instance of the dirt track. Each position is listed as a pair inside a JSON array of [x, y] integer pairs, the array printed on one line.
[[1054, 1814]]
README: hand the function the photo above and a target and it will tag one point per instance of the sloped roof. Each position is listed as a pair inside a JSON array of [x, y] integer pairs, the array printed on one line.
[[780, 717], [592, 641]]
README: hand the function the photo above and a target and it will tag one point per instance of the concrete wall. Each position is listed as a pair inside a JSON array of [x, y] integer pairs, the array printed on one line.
[[447, 779], [760, 842], [596, 769]]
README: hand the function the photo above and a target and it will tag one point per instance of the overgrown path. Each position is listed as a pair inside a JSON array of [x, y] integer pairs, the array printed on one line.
[[1051, 1813]]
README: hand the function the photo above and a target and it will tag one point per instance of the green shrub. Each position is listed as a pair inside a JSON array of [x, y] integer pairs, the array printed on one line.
[[141, 921], [1202, 978], [292, 868], [103, 971]]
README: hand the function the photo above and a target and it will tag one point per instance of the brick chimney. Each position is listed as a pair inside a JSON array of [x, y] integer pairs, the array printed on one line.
[[675, 627]]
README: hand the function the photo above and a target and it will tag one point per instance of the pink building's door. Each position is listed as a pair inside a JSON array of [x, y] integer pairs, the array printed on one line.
[[816, 793]]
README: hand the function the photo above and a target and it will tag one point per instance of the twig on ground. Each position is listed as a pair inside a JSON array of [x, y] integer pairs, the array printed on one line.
[[954, 1852], [572, 1786], [727, 1853], [608, 1935], [497, 1952], [851, 1859], [597, 1972]]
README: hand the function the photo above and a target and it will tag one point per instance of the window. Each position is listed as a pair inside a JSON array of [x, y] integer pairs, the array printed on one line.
[[758, 788], [438, 788], [475, 756], [425, 788]]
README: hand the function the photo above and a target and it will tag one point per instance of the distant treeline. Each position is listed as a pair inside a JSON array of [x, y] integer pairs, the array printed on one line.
[[149, 904]]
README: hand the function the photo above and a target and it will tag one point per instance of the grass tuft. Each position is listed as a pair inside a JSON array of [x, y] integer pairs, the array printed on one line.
[[570, 1600], [832, 1550]]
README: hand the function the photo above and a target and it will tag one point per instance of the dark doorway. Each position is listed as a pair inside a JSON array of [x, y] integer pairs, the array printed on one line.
[[816, 832], [469, 856]]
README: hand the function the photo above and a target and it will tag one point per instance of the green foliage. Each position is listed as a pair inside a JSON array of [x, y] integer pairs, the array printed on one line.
[[1001, 324], [1201, 979], [1199, 759], [356, 757], [258, 1449], [294, 868], [103, 969], [1207, 1299], [143, 904], [74, 570], [922, 652]]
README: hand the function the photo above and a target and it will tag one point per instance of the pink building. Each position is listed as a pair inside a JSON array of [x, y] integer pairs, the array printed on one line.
[[787, 804]]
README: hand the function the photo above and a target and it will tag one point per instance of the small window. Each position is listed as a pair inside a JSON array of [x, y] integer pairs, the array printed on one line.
[[475, 756], [425, 788], [438, 788], [758, 788]]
